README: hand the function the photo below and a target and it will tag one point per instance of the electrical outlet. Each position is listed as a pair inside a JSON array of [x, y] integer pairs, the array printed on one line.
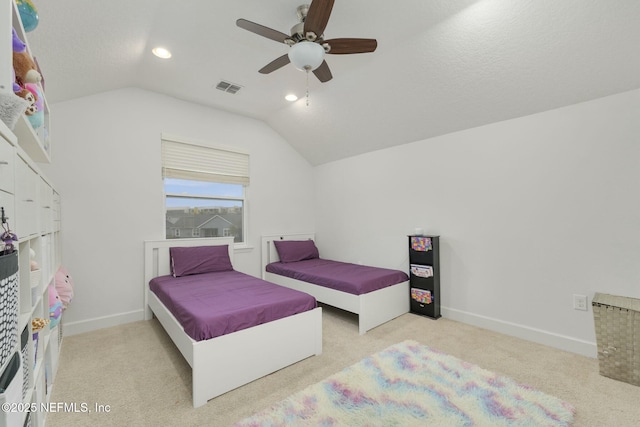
[[580, 302]]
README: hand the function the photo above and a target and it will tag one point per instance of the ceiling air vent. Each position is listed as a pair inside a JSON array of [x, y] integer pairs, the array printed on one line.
[[228, 87]]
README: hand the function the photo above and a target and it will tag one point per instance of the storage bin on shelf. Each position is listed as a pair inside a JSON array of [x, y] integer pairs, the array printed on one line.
[[11, 391], [9, 307], [26, 372], [617, 324]]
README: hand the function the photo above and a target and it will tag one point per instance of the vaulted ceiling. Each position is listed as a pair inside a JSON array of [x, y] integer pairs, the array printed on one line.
[[440, 66]]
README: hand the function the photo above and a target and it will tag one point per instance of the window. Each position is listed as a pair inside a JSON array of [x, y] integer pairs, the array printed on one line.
[[205, 190]]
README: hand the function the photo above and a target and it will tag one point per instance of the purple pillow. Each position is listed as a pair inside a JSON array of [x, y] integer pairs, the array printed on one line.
[[199, 259], [296, 250]]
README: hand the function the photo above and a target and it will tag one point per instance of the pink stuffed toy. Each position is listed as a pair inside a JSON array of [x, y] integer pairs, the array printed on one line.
[[55, 307], [64, 286]]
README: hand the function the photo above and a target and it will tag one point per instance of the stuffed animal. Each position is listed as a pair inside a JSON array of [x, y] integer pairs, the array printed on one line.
[[25, 72], [18, 44], [64, 287], [25, 69], [36, 113], [55, 307], [31, 98], [8, 238], [33, 264]]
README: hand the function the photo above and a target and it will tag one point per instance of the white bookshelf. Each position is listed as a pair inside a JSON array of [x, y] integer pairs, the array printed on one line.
[[32, 205]]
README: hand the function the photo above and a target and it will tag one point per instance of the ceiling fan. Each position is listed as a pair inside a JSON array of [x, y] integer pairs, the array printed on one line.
[[307, 45]]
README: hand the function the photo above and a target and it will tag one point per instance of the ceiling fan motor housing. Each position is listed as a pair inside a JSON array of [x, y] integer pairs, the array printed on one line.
[[297, 31], [302, 11]]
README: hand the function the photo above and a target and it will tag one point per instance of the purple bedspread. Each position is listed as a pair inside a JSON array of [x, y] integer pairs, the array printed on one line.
[[214, 304], [351, 278]]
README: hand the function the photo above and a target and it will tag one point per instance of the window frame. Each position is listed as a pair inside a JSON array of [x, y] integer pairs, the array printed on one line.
[[244, 198]]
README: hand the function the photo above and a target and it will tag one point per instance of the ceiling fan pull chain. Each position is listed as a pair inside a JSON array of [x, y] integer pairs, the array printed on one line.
[[307, 87]]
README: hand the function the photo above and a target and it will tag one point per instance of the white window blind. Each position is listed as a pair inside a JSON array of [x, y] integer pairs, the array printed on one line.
[[185, 160]]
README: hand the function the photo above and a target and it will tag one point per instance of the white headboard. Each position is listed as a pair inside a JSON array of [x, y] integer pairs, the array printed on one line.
[[269, 252], [158, 263]]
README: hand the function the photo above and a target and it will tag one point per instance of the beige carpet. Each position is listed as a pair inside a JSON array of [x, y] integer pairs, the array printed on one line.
[[141, 376]]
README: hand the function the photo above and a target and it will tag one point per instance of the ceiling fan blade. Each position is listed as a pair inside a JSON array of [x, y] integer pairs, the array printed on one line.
[[318, 16], [262, 30], [346, 46], [323, 73], [275, 64]]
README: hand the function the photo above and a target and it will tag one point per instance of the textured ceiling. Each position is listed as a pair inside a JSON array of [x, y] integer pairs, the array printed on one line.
[[440, 66]]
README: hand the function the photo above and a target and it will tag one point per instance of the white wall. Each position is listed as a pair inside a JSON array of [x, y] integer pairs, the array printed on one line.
[[106, 166], [530, 211]]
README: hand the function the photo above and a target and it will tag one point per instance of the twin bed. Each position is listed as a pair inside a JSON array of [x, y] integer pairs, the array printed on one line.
[[375, 294], [220, 363], [220, 319]]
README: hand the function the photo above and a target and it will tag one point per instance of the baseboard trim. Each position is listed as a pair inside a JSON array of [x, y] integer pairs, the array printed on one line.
[[74, 328], [562, 342]]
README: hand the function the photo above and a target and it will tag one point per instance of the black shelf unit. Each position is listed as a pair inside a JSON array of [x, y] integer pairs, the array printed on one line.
[[424, 284]]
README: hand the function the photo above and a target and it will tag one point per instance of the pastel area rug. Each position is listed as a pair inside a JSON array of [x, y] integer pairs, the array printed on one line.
[[409, 384]]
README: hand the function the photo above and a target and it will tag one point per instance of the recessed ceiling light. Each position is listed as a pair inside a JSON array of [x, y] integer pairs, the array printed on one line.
[[291, 97], [161, 52]]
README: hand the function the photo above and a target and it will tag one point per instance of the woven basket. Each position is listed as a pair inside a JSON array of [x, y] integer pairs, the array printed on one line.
[[617, 323], [9, 305]]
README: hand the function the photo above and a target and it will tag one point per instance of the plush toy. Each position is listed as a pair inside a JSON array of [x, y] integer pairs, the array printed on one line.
[[18, 44], [31, 98], [25, 72], [36, 113], [25, 69], [55, 307], [7, 238], [33, 264], [64, 287]]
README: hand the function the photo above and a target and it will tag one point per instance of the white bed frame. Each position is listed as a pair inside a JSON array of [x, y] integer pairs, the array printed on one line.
[[223, 363], [373, 308]]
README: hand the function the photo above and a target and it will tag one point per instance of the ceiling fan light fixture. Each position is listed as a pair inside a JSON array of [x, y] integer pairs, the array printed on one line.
[[306, 56]]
